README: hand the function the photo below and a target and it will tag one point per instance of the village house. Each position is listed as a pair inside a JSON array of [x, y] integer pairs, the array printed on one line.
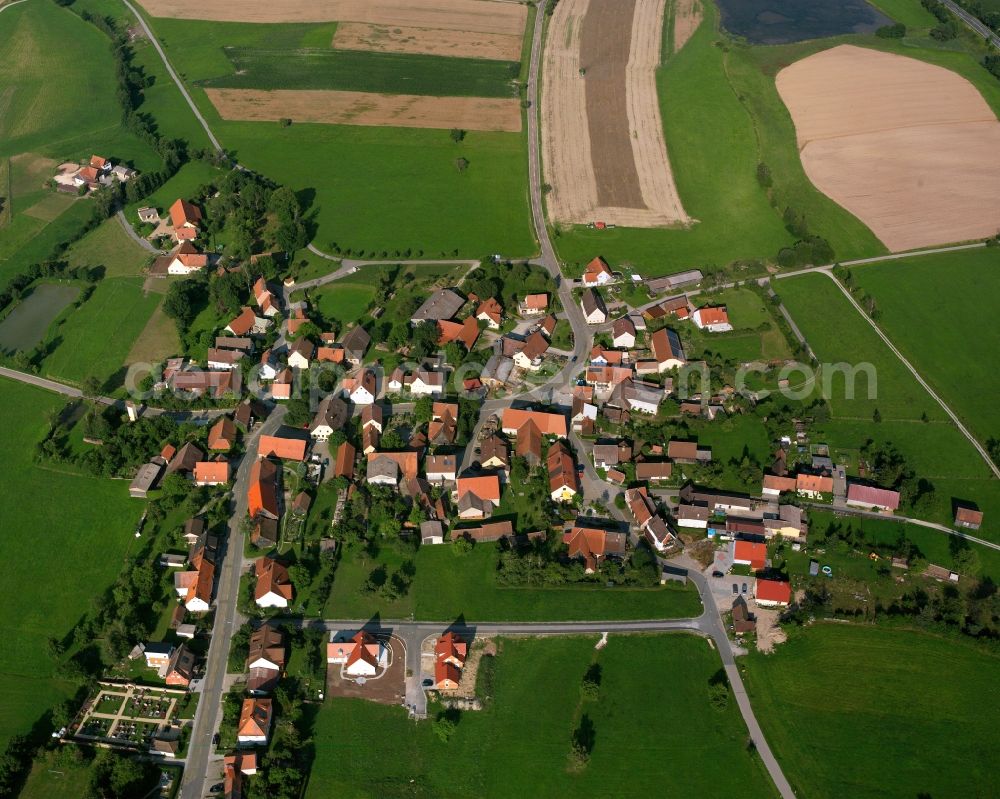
[[712, 319], [466, 332], [594, 310], [388, 468], [426, 382], [440, 468], [185, 459], [597, 273], [269, 365], [771, 593], [530, 355], [637, 396], [490, 312], [273, 588], [297, 319], [623, 332], [216, 384], [283, 384], [693, 516], [358, 655], [563, 481], [813, 486], [185, 218], [548, 326], [179, 670], [667, 350], [262, 492], [653, 471], [247, 322], [255, 722], [223, 359], [372, 416], [583, 416], [494, 454], [533, 304], [743, 621], [592, 545], [550, 424], [788, 522], [265, 660], [183, 261], [450, 653], [211, 473], [371, 439], [658, 534], [486, 533], [194, 586], [866, 496], [529, 444], [301, 354], [969, 518], [477, 496], [157, 654], [775, 486], [356, 344], [688, 452], [749, 553], [361, 390], [331, 416], [266, 301], [497, 371]]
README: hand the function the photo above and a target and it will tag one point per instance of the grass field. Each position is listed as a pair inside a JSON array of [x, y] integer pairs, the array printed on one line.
[[935, 448], [713, 155], [927, 309], [110, 247], [747, 312], [95, 339], [62, 552], [518, 745], [446, 585], [909, 12], [28, 240], [870, 712]]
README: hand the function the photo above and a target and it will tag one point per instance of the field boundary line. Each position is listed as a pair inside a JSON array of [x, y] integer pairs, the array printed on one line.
[[170, 70]]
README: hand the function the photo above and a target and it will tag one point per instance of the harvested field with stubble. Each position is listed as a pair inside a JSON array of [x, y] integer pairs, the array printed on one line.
[[910, 148], [368, 109], [602, 133], [427, 41], [484, 16]]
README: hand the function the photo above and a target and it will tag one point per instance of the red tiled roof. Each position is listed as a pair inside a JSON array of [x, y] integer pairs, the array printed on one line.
[[272, 577], [184, 213], [550, 424], [752, 552], [211, 472], [773, 591], [292, 449], [486, 487], [872, 495], [713, 316]]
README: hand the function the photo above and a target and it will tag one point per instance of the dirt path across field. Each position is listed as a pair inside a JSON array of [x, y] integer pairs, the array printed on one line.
[[687, 18], [427, 41], [484, 16], [602, 133], [909, 148], [368, 109]]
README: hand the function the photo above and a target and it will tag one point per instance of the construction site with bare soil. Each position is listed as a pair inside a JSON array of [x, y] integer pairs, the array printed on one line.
[[605, 155], [911, 149]]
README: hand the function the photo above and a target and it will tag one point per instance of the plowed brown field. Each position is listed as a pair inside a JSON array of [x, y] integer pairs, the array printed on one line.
[[909, 148], [368, 109]]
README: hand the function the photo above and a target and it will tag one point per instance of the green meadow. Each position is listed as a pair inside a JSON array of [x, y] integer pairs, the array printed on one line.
[[517, 745], [446, 585], [66, 535], [874, 712], [910, 419], [933, 309]]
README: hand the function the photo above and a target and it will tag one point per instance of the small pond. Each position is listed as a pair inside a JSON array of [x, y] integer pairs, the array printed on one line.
[[783, 21], [25, 326]]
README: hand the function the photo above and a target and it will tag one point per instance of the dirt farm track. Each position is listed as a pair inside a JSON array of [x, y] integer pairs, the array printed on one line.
[[484, 16], [605, 156], [910, 148]]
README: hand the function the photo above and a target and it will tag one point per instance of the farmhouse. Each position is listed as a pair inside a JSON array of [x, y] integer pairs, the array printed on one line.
[[301, 353], [372, 416], [637, 396], [749, 553], [262, 492], [217, 383], [866, 496], [653, 471], [248, 322], [344, 464], [255, 722], [440, 468], [183, 462], [426, 382], [486, 533], [266, 301], [331, 415], [182, 261], [969, 518], [211, 473], [550, 424], [496, 373], [687, 452], [477, 496], [529, 443], [667, 350], [185, 218], [466, 331], [145, 480], [403, 466], [597, 273], [712, 319], [194, 586], [661, 285], [223, 359], [594, 310], [273, 588], [290, 449], [490, 312], [775, 486], [442, 304], [494, 454], [355, 345], [693, 516], [530, 355], [813, 486], [265, 660], [361, 390]]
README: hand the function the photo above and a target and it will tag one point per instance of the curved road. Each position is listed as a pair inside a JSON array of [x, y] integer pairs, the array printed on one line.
[[135, 236]]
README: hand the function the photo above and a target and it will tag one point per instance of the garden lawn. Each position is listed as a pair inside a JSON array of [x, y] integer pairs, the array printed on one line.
[[95, 339], [927, 307], [518, 745], [67, 536], [713, 154], [748, 312], [874, 712], [446, 586], [910, 12], [346, 301]]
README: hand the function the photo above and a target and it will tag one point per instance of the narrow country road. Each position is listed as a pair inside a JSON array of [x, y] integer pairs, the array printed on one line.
[[135, 236], [176, 79], [198, 774], [972, 22]]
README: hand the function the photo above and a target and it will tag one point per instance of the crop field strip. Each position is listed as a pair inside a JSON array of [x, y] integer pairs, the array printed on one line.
[[427, 41], [602, 134]]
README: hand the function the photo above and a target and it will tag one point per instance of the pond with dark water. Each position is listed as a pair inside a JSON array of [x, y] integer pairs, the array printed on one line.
[[26, 326], [784, 21]]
